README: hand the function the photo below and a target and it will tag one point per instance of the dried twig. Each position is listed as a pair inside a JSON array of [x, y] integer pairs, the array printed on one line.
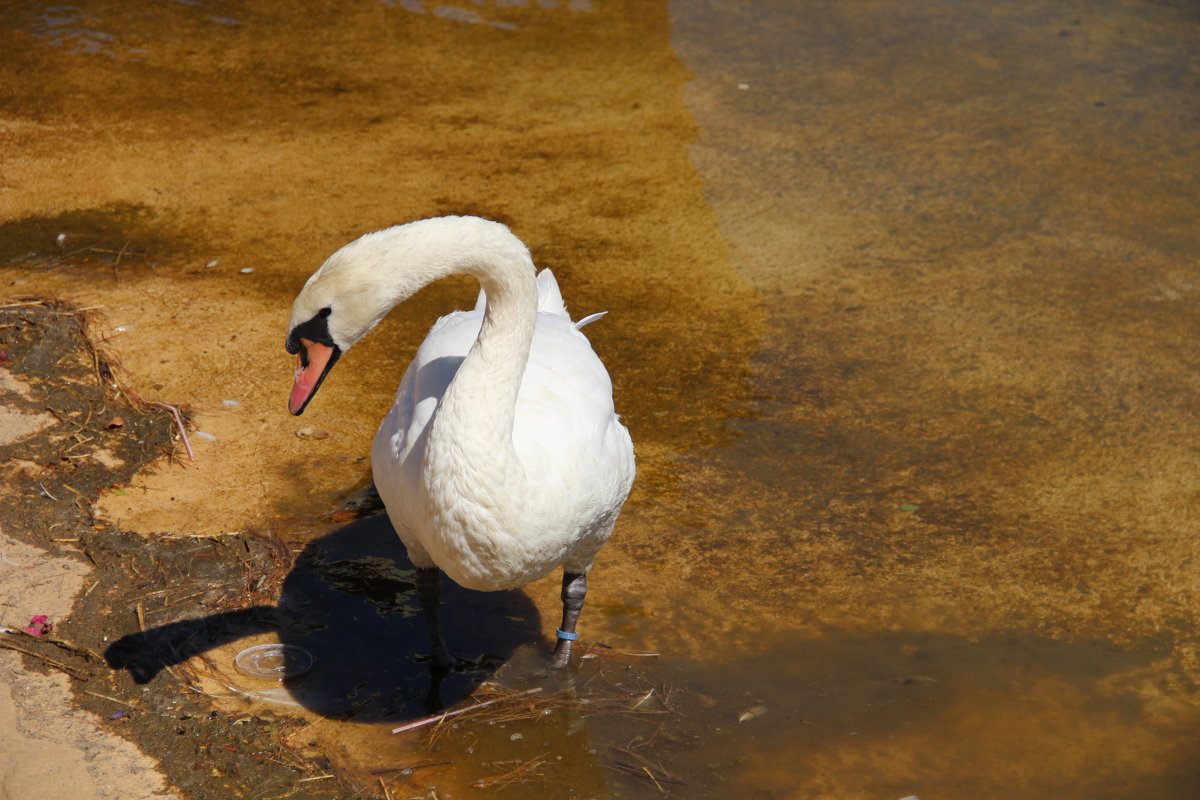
[[179, 423], [520, 772], [109, 697], [52, 662], [644, 768], [72, 647], [448, 714]]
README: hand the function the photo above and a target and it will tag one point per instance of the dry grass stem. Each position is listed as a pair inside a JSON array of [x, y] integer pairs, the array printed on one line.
[[108, 697], [52, 662], [522, 772], [439, 717], [178, 424]]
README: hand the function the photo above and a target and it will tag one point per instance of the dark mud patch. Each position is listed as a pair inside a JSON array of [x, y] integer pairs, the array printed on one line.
[[115, 239], [207, 592], [71, 429]]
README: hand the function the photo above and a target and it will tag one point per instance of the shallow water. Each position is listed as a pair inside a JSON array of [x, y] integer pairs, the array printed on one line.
[[901, 309]]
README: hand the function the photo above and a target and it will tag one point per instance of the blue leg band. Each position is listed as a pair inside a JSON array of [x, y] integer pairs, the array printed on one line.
[[570, 637]]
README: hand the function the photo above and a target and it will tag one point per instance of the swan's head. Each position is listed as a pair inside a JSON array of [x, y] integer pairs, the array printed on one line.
[[341, 302], [357, 286]]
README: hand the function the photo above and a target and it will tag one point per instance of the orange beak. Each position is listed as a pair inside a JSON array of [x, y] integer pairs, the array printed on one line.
[[312, 364]]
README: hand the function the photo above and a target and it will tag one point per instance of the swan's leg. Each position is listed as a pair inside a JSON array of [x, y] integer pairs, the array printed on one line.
[[574, 590], [429, 587]]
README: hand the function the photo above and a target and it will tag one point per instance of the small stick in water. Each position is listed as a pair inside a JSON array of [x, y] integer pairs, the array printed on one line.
[[440, 717]]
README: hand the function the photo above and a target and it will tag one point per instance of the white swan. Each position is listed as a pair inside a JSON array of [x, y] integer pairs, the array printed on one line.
[[501, 458]]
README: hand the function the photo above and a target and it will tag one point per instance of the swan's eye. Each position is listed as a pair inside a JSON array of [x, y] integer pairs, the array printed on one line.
[[316, 330]]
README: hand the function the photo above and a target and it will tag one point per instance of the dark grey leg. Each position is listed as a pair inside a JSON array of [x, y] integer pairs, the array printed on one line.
[[429, 587], [574, 590]]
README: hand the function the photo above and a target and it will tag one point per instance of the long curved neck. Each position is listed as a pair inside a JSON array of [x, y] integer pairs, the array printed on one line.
[[471, 435], [478, 408], [473, 427]]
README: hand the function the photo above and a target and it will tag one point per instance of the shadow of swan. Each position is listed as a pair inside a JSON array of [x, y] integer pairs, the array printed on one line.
[[350, 602]]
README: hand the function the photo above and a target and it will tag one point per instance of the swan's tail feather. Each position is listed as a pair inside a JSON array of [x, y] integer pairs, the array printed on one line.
[[549, 297], [590, 318]]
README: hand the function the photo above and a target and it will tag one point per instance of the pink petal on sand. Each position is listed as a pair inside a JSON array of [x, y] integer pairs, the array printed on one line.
[[39, 626]]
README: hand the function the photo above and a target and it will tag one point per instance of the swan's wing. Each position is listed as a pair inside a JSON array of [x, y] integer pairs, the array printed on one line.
[[425, 381], [398, 447], [566, 428]]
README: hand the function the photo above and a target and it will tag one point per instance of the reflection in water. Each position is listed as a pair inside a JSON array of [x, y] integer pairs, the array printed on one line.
[[473, 15], [73, 30]]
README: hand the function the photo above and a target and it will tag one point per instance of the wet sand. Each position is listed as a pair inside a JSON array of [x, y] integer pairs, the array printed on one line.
[[901, 310]]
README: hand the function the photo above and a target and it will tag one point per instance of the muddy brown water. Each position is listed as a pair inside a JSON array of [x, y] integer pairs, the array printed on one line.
[[902, 319]]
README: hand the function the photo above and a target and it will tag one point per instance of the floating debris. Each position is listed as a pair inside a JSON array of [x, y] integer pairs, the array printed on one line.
[[752, 713], [522, 771], [277, 661], [474, 707]]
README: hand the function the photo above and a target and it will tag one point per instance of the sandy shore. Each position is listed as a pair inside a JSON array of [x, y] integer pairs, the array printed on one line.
[[49, 748]]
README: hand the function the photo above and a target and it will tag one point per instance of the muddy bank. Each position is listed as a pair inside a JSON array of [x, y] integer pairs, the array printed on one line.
[[73, 431]]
